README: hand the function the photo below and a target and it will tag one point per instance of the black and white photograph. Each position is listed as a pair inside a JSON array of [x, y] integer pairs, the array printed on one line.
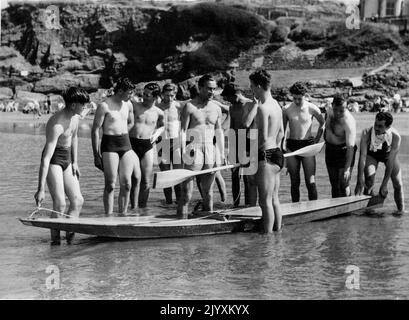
[[220, 152]]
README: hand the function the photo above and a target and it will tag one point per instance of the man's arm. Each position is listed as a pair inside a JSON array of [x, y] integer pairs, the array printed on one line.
[[316, 113], [350, 140], [361, 162], [220, 135], [53, 132], [395, 146], [161, 118], [97, 124], [74, 152], [251, 114], [131, 119], [184, 123]]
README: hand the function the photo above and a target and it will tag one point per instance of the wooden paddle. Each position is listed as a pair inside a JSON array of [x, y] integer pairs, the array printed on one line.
[[307, 151], [156, 134], [166, 179]]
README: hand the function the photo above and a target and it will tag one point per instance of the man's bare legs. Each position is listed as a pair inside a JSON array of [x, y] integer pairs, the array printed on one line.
[[111, 163], [126, 167], [146, 173], [268, 195], [309, 167]]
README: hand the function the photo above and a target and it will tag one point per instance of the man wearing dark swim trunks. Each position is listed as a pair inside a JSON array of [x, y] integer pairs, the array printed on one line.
[[114, 156], [268, 118], [148, 117], [299, 117], [340, 148], [59, 160], [381, 143]]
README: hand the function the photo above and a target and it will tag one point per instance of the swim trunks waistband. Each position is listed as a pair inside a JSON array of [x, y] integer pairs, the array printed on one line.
[[116, 143], [273, 156], [61, 157], [295, 144], [141, 146]]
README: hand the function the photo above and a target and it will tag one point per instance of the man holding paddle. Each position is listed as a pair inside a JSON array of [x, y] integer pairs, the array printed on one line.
[[299, 116], [147, 118], [114, 155], [268, 118], [340, 148], [201, 122], [59, 160], [381, 143]]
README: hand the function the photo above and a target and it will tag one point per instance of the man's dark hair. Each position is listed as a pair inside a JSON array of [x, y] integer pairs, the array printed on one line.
[[385, 116], [169, 87], [123, 84], [339, 100], [154, 88], [204, 79], [231, 89], [75, 95], [298, 88], [261, 78]]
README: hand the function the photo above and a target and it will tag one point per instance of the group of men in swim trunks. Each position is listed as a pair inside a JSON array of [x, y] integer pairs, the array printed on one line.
[[193, 138], [379, 143]]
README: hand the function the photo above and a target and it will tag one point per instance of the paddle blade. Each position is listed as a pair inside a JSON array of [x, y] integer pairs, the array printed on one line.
[[156, 134], [167, 179], [308, 151]]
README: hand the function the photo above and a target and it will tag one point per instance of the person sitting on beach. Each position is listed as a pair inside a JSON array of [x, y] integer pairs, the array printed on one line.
[[239, 108], [340, 147], [201, 122], [299, 117], [170, 153], [114, 156], [381, 143], [148, 117], [59, 160], [268, 118]]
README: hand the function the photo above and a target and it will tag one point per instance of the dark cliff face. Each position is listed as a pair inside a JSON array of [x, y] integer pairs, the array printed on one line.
[[157, 42]]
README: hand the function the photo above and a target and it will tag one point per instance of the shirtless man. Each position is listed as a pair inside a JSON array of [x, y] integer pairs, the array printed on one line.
[[269, 121], [201, 122], [114, 156], [59, 160], [340, 148], [147, 118], [299, 116], [170, 152], [381, 143], [240, 106]]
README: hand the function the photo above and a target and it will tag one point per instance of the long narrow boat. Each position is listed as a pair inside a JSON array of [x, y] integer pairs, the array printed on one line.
[[226, 221]]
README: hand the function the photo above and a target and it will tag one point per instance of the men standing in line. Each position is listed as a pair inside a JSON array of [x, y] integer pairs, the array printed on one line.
[[147, 118], [59, 160], [240, 106], [201, 122], [299, 116], [269, 121], [114, 156], [340, 148], [381, 143]]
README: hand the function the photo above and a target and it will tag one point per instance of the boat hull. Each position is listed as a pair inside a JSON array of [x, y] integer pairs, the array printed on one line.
[[228, 221]]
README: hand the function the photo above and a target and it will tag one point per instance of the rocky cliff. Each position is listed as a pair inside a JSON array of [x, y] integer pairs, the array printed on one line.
[[145, 42]]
